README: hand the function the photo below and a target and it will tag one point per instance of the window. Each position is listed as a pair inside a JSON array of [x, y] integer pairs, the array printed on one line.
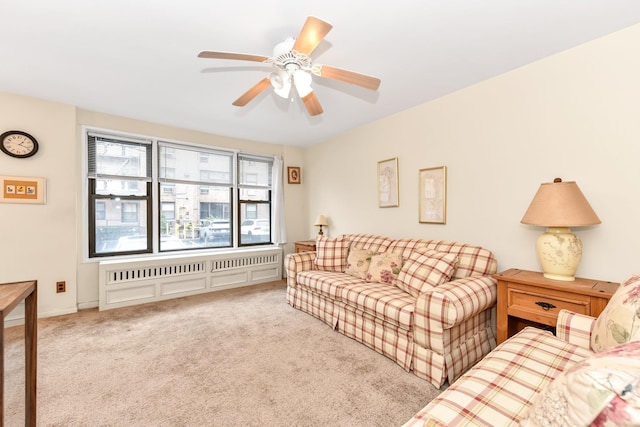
[[119, 195], [197, 185], [100, 210], [204, 196], [129, 212], [167, 216], [254, 199]]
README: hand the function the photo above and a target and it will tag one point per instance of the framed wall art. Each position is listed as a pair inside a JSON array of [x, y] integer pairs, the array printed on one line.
[[22, 189], [293, 174], [432, 197], [388, 183]]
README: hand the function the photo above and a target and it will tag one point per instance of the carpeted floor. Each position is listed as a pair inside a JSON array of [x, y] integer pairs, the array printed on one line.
[[240, 357]]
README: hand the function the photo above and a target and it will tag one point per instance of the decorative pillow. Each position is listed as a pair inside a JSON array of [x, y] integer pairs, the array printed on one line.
[[602, 390], [425, 269], [384, 267], [358, 262], [331, 254], [619, 322]]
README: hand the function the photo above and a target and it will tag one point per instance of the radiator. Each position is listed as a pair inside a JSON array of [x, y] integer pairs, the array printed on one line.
[[141, 280]]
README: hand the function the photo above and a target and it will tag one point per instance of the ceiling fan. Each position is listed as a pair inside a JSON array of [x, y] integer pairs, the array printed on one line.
[[293, 67]]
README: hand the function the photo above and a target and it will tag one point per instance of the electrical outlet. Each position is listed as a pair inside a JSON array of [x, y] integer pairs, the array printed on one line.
[[61, 287]]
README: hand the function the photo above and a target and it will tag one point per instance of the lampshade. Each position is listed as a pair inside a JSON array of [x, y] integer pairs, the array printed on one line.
[[281, 82], [559, 205], [302, 82], [321, 220]]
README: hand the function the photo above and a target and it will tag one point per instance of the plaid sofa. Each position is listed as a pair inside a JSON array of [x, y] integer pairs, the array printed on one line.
[[588, 374], [500, 388], [437, 335]]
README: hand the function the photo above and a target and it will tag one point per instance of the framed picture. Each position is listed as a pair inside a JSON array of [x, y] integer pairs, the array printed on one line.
[[293, 173], [21, 189], [388, 183], [432, 197]]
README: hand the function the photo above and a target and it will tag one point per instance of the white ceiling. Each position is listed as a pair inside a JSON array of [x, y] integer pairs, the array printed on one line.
[[138, 58]]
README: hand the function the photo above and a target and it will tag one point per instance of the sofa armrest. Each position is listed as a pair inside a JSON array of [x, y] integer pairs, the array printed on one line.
[[575, 328], [450, 304], [295, 263]]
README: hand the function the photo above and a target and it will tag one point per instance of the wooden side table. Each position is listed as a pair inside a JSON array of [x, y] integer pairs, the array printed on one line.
[[10, 296], [305, 245], [527, 298]]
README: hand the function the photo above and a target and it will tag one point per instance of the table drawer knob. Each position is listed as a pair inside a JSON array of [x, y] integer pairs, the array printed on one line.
[[545, 305]]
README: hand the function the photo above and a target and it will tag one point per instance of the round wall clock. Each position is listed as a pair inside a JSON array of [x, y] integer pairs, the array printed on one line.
[[18, 144]]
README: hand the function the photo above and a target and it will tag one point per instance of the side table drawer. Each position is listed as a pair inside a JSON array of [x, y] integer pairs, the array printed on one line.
[[542, 306]]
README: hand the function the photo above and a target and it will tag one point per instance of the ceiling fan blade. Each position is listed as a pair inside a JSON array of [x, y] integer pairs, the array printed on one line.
[[367, 82], [252, 93], [313, 105], [311, 34], [231, 55]]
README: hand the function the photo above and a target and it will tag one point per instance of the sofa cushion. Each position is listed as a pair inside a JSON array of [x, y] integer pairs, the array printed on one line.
[[498, 390], [383, 301], [358, 261], [370, 241], [326, 283], [602, 390], [406, 246], [472, 260], [619, 322], [425, 269], [384, 267], [331, 253]]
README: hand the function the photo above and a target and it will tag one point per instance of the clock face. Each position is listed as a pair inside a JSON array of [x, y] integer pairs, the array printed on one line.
[[18, 144]]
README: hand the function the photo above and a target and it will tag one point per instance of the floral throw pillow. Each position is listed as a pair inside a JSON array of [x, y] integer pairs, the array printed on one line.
[[384, 267], [602, 390], [358, 262], [425, 269], [619, 322], [331, 254]]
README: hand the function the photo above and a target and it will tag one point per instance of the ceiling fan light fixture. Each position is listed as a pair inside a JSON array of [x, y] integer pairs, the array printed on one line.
[[302, 81], [281, 83]]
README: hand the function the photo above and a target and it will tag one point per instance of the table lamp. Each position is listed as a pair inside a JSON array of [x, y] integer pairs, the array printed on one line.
[[321, 221], [559, 205]]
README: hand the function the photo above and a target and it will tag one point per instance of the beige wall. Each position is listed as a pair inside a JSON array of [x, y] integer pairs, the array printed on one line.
[[38, 241], [575, 115]]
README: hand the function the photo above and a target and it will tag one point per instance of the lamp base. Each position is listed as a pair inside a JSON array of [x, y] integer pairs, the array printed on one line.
[[559, 253]]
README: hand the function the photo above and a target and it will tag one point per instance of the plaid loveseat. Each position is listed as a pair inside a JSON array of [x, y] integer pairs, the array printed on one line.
[[437, 334], [588, 374]]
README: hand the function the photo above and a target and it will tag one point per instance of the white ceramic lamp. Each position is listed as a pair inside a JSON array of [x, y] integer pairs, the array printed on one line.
[[322, 222], [559, 205]]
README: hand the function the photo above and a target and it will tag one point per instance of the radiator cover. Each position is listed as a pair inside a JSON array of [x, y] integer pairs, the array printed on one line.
[[141, 280]]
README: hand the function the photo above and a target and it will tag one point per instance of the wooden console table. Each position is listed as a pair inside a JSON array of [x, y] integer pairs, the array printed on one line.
[[11, 294], [527, 298]]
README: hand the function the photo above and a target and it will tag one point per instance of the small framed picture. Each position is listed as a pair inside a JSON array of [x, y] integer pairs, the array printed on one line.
[[20, 189], [388, 183], [293, 173], [432, 197]]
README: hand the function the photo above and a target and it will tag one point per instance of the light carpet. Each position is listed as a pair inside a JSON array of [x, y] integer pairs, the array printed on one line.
[[240, 357]]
